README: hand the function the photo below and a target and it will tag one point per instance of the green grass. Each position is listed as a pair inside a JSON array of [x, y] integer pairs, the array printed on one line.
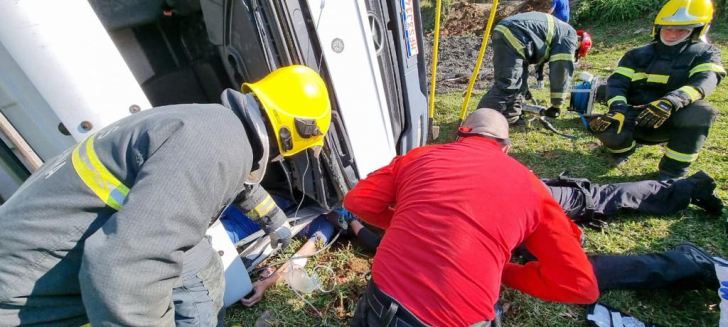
[[427, 10], [547, 155], [612, 11]]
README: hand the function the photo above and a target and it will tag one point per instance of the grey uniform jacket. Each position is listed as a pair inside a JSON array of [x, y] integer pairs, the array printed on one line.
[[65, 253], [540, 38]]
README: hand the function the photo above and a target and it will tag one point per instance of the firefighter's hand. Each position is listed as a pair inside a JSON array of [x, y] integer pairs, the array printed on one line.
[[655, 113], [552, 112], [601, 123], [282, 235]]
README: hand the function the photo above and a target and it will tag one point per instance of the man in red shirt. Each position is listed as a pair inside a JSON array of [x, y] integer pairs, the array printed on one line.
[[452, 214]]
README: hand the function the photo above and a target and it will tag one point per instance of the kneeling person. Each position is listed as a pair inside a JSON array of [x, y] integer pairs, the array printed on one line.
[[446, 213], [666, 82]]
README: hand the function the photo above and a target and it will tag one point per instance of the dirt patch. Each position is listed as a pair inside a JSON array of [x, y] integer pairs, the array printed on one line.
[[460, 40], [469, 17], [358, 265], [456, 62]]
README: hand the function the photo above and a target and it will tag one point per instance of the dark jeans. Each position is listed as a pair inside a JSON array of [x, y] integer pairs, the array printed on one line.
[[198, 301], [377, 309]]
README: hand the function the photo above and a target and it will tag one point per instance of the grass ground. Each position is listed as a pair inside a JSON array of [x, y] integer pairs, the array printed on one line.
[[548, 155]]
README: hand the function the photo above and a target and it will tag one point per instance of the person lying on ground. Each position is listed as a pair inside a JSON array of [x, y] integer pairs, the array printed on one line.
[[444, 210], [686, 265], [239, 226]]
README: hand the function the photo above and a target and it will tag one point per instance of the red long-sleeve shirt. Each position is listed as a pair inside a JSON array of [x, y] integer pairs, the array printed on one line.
[[460, 210]]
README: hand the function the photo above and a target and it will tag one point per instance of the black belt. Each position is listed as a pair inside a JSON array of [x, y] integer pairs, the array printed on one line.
[[393, 313], [389, 310]]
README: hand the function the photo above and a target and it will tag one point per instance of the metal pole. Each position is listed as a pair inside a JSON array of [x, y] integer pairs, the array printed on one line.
[[474, 77], [435, 46]]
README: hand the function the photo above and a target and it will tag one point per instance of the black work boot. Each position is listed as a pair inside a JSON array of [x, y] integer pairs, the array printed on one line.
[[704, 193], [704, 260], [616, 161]]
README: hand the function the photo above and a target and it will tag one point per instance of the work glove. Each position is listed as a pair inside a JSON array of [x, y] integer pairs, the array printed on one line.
[[281, 235], [655, 113], [601, 123], [552, 112]]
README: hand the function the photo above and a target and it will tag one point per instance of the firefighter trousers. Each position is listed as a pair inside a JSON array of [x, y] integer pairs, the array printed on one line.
[[510, 72], [684, 132]]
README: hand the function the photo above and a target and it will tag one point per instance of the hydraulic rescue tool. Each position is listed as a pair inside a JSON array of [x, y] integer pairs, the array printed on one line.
[[539, 113]]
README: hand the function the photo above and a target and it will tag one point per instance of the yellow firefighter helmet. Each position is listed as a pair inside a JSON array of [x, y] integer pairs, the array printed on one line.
[[297, 104], [685, 14]]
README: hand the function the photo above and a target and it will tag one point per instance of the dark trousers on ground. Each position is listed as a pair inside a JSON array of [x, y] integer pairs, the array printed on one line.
[[510, 72], [684, 132], [647, 271], [649, 196], [670, 269]]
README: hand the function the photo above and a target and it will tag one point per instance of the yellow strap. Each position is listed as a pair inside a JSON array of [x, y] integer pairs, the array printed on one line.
[[95, 175], [562, 56], [623, 150], [692, 92], [616, 98], [549, 38], [512, 40], [707, 67], [262, 209], [651, 78], [558, 95], [679, 156], [638, 76], [549, 30], [628, 72], [655, 78]]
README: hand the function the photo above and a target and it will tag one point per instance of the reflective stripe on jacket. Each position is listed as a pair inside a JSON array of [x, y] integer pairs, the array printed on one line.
[[682, 74], [540, 38], [102, 230]]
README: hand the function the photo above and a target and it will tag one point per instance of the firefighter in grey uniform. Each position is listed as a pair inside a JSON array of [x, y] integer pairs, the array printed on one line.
[[532, 38], [657, 92], [112, 231]]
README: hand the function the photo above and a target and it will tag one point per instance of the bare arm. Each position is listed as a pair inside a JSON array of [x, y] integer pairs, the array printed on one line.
[[261, 286]]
